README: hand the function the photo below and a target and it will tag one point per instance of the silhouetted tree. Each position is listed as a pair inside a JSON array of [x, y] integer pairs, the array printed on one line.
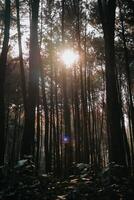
[[114, 123], [3, 63]]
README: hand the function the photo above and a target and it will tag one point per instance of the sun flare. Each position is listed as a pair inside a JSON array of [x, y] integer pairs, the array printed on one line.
[[69, 57]]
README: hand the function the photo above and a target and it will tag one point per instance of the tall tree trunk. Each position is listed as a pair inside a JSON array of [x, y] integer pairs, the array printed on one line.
[[38, 135], [3, 62], [66, 109], [128, 79], [23, 81], [22, 71], [58, 156], [46, 112], [33, 87], [116, 151]]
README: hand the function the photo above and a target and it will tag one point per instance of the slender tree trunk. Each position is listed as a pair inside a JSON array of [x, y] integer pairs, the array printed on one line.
[[77, 124], [3, 62], [38, 135], [46, 112], [34, 66], [58, 157], [84, 130], [23, 81], [13, 151], [66, 110], [22, 71]]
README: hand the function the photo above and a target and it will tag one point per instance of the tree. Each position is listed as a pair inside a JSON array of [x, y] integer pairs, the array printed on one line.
[[3, 63], [33, 86], [114, 123], [23, 81]]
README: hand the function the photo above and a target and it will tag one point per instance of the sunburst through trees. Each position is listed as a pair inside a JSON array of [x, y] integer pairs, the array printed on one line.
[[69, 97]]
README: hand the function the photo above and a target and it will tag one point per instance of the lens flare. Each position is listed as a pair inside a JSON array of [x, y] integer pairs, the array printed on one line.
[[69, 57], [66, 139]]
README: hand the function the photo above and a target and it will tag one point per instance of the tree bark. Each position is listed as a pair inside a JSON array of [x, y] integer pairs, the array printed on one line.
[[23, 81], [116, 151], [33, 87], [3, 62]]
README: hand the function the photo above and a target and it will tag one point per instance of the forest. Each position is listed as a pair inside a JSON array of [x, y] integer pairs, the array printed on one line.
[[66, 99]]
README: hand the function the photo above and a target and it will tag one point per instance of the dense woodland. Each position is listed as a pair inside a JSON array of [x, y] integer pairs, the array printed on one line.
[[61, 123]]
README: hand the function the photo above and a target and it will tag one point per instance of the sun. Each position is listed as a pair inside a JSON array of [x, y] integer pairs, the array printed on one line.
[[69, 57]]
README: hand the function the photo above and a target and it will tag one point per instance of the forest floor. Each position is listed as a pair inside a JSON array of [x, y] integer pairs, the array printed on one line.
[[81, 184]]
